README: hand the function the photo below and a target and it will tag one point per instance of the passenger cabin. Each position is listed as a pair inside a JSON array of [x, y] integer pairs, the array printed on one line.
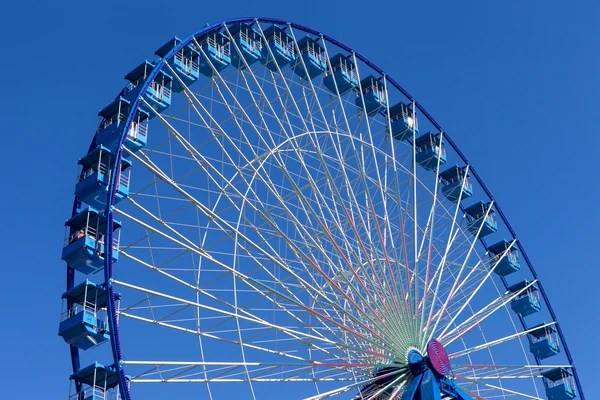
[[559, 384], [92, 185], [373, 95], [481, 219], [247, 45], [504, 264], [114, 116], [311, 61], [543, 342], [430, 151], [185, 63], [279, 50], [84, 324], [96, 381], [456, 184], [527, 302], [158, 95], [343, 78], [215, 53], [84, 241], [403, 121]]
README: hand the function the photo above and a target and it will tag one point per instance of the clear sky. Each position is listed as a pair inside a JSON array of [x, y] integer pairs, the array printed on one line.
[[515, 83]]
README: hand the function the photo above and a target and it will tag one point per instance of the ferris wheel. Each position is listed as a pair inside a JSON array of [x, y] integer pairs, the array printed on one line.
[[264, 214]]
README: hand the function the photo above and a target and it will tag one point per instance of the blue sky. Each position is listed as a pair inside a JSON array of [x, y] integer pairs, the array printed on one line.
[[514, 83]]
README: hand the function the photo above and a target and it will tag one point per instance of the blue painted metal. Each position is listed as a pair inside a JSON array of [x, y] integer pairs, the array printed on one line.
[[558, 383], [561, 391], [452, 191], [509, 263], [479, 221], [97, 374], [449, 387], [411, 390], [542, 344], [430, 151], [311, 61], [87, 291], [432, 376], [136, 77], [403, 120], [429, 388], [342, 74], [556, 374], [84, 247], [279, 49], [185, 65], [544, 348], [526, 303], [248, 41], [416, 362], [373, 95], [113, 188], [114, 116], [158, 93], [456, 185], [215, 50], [82, 328], [95, 380], [92, 187]]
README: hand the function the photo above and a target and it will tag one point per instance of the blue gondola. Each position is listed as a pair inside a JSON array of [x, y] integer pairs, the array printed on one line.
[[559, 384], [92, 187], [96, 381], [215, 53], [114, 117], [543, 341], [312, 61], [84, 324], [477, 218], [527, 302], [158, 95], [344, 75], [373, 94], [281, 45], [403, 121], [430, 151], [504, 265], [456, 184], [247, 45], [84, 242], [185, 63]]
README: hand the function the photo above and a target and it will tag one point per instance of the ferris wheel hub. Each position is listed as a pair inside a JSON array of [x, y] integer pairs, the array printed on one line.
[[416, 362], [438, 358]]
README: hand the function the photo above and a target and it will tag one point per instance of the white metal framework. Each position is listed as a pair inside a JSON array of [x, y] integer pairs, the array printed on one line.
[[278, 239]]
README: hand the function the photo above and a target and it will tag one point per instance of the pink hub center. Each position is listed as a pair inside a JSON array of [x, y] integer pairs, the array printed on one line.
[[438, 357]]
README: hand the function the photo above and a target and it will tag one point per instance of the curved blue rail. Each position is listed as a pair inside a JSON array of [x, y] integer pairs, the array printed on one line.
[[108, 261]]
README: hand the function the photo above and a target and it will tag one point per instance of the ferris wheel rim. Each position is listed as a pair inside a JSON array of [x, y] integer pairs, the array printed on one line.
[[108, 262]]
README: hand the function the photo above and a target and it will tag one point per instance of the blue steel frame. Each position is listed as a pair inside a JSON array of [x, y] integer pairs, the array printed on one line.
[[108, 262]]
